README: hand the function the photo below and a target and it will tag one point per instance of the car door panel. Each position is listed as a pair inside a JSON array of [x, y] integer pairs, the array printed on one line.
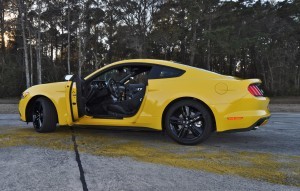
[[73, 99], [126, 121]]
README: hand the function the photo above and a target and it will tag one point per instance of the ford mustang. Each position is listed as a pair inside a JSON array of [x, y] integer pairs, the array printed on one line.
[[187, 102]]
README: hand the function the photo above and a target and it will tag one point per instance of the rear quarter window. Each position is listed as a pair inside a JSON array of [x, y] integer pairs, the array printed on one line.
[[159, 72]]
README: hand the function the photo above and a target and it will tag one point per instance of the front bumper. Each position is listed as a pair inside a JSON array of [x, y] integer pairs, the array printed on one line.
[[22, 108]]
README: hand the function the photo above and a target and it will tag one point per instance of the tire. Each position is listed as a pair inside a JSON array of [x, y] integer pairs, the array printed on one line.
[[188, 122], [44, 117]]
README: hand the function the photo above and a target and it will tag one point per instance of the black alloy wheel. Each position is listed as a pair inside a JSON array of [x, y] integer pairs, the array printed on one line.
[[44, 116], [37, 118], [188, 122]]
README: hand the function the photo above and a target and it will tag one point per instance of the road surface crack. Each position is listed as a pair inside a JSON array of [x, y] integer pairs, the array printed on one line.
[[82, 177]]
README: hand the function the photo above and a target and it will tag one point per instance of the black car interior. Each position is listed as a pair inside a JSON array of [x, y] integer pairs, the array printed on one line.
[[116, 93]]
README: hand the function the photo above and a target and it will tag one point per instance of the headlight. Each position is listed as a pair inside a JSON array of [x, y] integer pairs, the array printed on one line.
[[24, 94]]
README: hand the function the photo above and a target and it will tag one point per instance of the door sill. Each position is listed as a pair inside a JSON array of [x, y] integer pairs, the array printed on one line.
[[107, 117]]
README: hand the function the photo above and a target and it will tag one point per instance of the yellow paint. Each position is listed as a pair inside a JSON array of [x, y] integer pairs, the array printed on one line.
[[226, 96], [55, 92]]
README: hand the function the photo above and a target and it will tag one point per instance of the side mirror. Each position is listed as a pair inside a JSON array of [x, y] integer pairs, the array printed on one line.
[[68, 77]]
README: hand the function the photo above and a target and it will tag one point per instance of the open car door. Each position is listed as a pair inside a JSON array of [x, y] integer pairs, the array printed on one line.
[[74, 99]]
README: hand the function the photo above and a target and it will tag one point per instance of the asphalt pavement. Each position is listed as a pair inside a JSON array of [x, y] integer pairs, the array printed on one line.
[[106, 159]]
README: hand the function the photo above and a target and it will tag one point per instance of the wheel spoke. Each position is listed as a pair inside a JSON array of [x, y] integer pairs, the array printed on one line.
[[196, 117], [35, 118], [197, 131], [36, 121], [185, 111], [182, 132], [41, 116], [40, 123], [175, 120], [38, 115]]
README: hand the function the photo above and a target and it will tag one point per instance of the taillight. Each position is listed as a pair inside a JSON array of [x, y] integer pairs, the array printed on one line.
[[255, 90]]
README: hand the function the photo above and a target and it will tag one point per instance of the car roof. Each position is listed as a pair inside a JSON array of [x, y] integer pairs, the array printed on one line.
[[149, 61], [152, 61]]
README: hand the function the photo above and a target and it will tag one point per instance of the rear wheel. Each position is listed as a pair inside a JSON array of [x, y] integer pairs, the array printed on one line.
[[44, 116], [188, 122]]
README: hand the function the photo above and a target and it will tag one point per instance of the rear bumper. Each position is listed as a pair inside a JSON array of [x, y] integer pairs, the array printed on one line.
[[258, 123], [242, 114]]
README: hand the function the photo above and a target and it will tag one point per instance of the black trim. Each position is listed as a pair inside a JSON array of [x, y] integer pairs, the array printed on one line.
[[252, 127], [70, 99], [79, 97], [117, 128]]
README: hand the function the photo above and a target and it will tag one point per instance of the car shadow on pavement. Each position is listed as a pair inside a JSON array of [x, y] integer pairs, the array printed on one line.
[[148, 136]]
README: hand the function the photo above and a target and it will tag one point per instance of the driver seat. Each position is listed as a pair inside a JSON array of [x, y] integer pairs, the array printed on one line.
[[127, 107]]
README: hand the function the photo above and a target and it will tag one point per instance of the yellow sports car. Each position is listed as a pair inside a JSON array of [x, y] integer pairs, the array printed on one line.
[[187, 102]]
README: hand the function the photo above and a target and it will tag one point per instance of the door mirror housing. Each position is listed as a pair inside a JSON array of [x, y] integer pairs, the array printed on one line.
[[68, 77]]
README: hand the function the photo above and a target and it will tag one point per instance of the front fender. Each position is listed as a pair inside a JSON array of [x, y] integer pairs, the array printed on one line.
[[55, 92]]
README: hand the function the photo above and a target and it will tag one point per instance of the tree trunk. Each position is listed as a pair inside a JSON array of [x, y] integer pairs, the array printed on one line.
[[31, 64], [22, 12], [31, 60], [208, 46], [110, 37], [2, 27], [79, 52], [2, 61], [271, 75], [231, 65], [69, 68], [81, 47], [56, 48], [96, 61], [208, 55], [62, 45], [297, 78], [51, 50], [193, 45], [39, 64]]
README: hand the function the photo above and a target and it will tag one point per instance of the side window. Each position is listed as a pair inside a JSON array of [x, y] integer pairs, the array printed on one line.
[[165, 72], [140, 78], [115, 73], [140, 74]]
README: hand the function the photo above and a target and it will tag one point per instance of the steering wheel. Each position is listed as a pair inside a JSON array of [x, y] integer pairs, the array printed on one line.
[[113, 87]]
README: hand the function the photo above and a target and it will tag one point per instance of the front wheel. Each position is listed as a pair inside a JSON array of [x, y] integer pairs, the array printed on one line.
[[44, 116], [188, 122]]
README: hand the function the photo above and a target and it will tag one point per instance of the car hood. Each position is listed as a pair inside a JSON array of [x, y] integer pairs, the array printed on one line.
[[50, 87]]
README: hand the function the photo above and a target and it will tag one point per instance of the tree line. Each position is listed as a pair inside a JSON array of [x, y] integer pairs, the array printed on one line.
[[41, 40]]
